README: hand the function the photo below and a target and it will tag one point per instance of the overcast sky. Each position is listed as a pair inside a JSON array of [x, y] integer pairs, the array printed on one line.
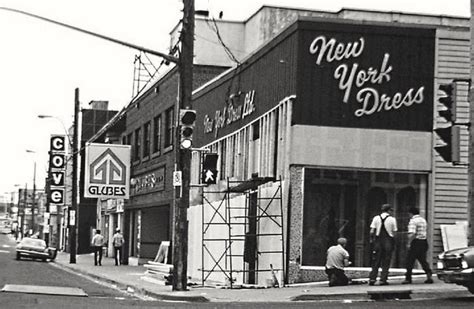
[[41, 64]]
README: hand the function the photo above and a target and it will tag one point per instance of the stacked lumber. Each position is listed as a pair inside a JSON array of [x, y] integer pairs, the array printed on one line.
[[157, 272]]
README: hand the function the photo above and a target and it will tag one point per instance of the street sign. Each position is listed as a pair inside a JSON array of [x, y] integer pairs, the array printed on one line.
[[72, 217], [177, 179]]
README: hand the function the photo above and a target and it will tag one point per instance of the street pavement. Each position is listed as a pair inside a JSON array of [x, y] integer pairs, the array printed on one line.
[[133, 279]]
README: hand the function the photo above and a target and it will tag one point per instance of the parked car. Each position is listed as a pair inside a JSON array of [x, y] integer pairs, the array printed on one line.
[[457, 266], [35, 248]]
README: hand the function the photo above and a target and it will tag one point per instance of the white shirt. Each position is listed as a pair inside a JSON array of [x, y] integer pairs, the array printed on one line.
[[98, 240], [336, 256], [390, 224]]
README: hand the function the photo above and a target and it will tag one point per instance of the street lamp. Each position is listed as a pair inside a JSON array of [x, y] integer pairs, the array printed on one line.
[[34, 193], [62, 124]]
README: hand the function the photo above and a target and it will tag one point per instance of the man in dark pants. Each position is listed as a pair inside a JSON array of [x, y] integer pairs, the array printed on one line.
[[382, 233], [118, 241], [97, 244], [337, 259], [417, 246]]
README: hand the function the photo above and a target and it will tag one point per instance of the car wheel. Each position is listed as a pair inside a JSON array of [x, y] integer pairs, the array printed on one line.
[[18, 256]]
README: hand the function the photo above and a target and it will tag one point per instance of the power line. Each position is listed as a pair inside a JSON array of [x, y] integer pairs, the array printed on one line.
[[147, 50]]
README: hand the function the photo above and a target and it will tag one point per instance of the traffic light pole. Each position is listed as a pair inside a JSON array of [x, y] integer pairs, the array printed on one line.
[[75, 141], [183, 156]]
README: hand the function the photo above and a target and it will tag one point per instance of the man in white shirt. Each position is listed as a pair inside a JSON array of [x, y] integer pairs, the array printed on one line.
[[97, 244], [417, 245], [337, 259], [118, 241], [382, 233]]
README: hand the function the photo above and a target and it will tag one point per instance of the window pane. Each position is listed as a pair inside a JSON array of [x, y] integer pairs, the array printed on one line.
[[157, 134], [137, 145], [146, 139]]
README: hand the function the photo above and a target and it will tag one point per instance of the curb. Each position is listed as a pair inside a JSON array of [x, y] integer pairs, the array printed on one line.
[[365, 296], [329, 297], [138, 290]]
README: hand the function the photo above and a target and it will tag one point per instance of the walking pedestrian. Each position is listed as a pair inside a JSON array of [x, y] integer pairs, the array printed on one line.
[[97, 244], [382, 233], [417, 246], [118, 241], [337, 259]]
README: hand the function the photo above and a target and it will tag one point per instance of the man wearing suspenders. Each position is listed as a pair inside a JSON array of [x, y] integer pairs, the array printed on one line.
[[382, 233]]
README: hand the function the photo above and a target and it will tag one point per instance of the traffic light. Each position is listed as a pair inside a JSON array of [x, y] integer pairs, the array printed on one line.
[[209, 169], [187, 119], [449, 101], [449, 151], [449, 134]]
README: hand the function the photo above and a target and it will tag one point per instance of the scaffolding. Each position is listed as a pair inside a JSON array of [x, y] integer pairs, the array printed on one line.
[[242, 232]]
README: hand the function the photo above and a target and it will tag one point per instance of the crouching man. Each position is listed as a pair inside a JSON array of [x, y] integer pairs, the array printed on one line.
[[337, 259]]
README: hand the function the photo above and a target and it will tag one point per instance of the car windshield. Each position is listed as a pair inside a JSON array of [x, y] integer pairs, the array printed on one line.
[[33, 242]]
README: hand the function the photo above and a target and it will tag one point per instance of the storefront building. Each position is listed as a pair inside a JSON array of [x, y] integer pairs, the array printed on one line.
[[147, 124], [328, 120]]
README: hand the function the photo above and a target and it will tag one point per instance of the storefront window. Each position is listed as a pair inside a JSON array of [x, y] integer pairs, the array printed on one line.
[[341, 203]]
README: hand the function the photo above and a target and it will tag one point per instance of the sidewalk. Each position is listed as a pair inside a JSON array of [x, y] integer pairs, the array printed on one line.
[[131, 278]]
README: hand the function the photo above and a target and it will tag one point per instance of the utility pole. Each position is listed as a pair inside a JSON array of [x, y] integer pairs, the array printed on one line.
[[73, 210], [25, 204], [33, 203], [183, 156]]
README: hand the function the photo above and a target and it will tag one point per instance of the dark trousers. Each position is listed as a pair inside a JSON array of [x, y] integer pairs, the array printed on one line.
[[417, 251], [118, 255], [381, 257], [98, 253], [336, 277]]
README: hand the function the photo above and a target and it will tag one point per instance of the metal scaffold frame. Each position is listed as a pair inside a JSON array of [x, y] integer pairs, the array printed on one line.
[[243, 222]]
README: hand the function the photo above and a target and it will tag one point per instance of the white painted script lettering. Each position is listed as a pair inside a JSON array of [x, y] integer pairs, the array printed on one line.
[[351, 77], [335, 51], [372, 102], [361, 77]]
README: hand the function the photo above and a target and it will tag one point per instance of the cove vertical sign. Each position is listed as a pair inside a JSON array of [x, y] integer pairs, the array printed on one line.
[[57, 166], [107, 171]]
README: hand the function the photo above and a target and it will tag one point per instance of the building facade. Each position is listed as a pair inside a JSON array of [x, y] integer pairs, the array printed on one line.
[[324, 117], [341, 111]]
